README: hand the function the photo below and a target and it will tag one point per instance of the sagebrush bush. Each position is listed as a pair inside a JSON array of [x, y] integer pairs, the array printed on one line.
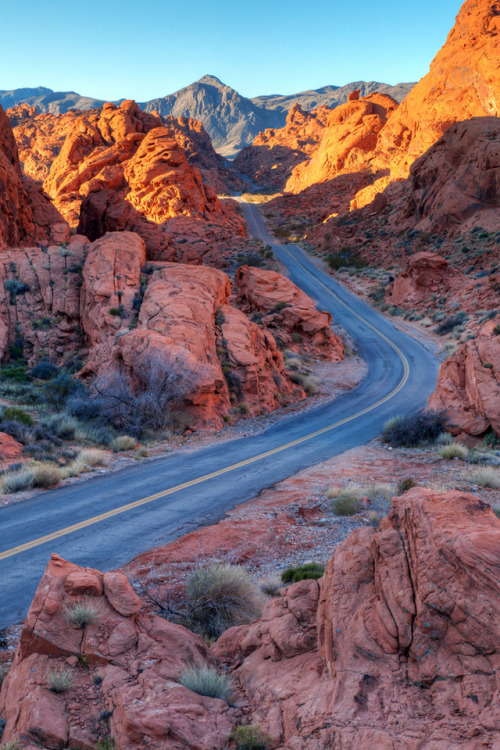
[[47, 475], [123, 443], [271, 585], [207, 681], [445, 439], [453, 450], [143, 452], [75, 468], [44, 371], [62, 424], [60, 679], [346, 504], [16, 481], [83, 612], [486, 477], [377, 492], [412, 429], [93, 457], [308, 382], [303, 572], [405, 484], [221, 596]]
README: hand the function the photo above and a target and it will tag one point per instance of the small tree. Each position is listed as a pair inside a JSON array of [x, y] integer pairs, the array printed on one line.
[[145, 400]]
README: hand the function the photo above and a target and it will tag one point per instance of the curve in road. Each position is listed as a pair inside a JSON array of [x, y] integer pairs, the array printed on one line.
[[143, 506]]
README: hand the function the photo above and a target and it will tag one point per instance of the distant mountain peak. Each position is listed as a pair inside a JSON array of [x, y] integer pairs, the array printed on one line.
[[211, 80]]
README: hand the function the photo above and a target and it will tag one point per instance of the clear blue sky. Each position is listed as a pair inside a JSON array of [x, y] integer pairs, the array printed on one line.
[[140, 49]]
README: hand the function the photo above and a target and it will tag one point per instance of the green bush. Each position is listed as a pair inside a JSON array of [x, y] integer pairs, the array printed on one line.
[[62, 424], [18, 415], [106, 744], [220, 596], [207, 681], [346, 504], [412, 429], [250, 737], [14, 373], [60, 679], [44, 371], [303, 572]]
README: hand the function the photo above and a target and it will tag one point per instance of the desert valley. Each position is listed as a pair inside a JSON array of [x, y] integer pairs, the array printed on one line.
[[250, 414]]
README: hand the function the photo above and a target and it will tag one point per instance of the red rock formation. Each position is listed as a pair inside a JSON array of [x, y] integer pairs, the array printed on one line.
[[134, 663], [398, 644], [349, 138], [118, 168], [40, 300], [458, 178], [287, 310], [10, 449], [425, 273], [274, 153], [468, 386], [185, 310]]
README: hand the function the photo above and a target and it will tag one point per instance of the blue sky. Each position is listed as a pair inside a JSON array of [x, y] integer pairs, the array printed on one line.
[[141, 49]]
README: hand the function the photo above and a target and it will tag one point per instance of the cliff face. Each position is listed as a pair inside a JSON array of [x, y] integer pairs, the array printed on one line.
[[396, 646]]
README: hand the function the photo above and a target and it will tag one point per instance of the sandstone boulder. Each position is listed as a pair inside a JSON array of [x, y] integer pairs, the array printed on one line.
[[468, 385]]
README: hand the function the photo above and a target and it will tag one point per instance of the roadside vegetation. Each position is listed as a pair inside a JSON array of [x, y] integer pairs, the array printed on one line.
[[66, 427]]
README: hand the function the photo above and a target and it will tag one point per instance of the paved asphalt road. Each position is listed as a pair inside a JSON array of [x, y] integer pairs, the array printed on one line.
[[106, 521]]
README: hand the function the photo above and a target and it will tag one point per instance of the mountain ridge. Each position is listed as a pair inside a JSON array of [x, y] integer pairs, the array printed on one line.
[[231, 120]]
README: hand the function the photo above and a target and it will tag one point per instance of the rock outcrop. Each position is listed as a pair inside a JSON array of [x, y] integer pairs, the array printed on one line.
[[25, 213], [425, 274], [118, 168], [396, 646], [287, 311], [129, 311], [125, 666], [274, 153], [468, 386], [458, 179]]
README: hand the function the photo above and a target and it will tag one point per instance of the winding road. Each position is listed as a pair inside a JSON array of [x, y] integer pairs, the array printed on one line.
[[105, 521]]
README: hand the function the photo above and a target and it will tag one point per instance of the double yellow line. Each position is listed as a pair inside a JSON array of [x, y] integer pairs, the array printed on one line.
[[193, 482]]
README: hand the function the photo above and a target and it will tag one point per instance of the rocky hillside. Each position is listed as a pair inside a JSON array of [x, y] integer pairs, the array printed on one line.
[[396, 644]]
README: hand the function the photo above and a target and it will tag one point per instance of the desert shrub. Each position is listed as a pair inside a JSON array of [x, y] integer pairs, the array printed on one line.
[[377, 492], [16, 481], [14, 373], [271, 585], [93, 457], [60, 679], [106, 744], [3, 673], [445, 439], [450, 323], [123, 443], [307, 382], [46, 475], [413, 429], [346, 259], [18, 415], [56, 391], [44, 371], [12, 745], [85, 408], [74, 469], [220, 596], [161, 381], [405, 484], [303, 572], [63, 425], [453, 450], [142, 452], [207, 681], [250, 737], [96, 434], [83, 612], [486, 477], [346, 504]]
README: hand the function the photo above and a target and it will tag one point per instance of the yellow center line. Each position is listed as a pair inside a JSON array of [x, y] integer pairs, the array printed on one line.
[[193, 482]]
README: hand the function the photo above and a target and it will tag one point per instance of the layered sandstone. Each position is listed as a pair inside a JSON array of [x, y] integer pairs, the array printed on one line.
[[425, 274], [468, 386]]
